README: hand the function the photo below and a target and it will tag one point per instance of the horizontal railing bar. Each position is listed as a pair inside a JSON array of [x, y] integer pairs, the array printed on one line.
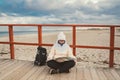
[[19, 43], [48, 25], [77, 46], [4, 42], [116, 48], [47, 44], [96, 47]]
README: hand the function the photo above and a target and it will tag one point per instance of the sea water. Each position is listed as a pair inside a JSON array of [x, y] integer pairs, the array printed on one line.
[[5, 33]]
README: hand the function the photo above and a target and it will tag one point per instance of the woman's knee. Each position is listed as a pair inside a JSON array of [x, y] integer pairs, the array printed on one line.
[[50, 62], [71, 63]]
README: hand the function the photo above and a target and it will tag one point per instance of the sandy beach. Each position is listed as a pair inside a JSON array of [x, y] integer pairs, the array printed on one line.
[[86, 57]]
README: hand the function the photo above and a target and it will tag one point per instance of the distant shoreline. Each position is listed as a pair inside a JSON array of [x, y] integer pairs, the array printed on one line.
[[5, 33]]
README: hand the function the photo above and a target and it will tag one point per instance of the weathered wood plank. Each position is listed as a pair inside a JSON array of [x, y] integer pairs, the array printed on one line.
[[55, 77], [43, 74], [115, 74], [94, 74], [101, 74], [9, 70], [118, 71], [87, 74], [36, 73], [80, 73], [3, 61], [69, 76], [6, 65], [64, 76], [51, 76], [108, 74], [29, 73], [72, 74], [15, 75]]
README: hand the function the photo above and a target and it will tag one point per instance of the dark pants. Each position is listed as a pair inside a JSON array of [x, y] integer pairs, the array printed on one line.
[[61, 66]]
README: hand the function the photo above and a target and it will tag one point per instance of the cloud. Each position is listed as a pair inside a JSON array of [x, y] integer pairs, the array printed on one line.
[[77, 17], [46, 7], [62, 4], [60, 11]]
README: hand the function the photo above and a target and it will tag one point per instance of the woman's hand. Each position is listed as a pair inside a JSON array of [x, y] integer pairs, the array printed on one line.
[[60, 60]]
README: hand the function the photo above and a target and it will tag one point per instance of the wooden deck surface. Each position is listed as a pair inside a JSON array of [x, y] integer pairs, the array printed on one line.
[[25, 70]]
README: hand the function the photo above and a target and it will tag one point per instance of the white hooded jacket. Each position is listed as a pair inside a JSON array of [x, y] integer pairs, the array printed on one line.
[[60, 51]]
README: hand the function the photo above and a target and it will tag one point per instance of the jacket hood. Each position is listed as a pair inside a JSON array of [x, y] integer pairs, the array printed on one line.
[[61, 36]]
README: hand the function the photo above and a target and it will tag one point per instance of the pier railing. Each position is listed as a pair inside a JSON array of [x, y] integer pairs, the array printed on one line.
[[111, 47]]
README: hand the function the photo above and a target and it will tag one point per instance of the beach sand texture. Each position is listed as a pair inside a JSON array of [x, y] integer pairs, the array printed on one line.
[[86, 57]]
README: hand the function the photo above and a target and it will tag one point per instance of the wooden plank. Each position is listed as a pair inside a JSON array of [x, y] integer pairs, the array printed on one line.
[[11, 69], [56, 76], [7, 65], [94, 74], [29, 73], [43, 74], [80, 73], [115, 74], [118, 71], [63, 76], [101, 74], [72, 74], [108, 74], [36, 73], [23, 71], [68, 76], [51, 76], [3, 61], [87, 74], [18, 73]]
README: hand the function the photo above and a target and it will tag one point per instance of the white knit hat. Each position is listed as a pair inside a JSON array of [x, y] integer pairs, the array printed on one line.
[[61, 36]]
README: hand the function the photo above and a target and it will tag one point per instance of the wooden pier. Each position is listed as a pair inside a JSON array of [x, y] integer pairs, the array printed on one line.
[[25, 70]]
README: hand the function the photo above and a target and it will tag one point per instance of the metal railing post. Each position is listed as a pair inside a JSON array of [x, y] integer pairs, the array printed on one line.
[[11, 40], [74, 40], [111, 56], [39, 35]]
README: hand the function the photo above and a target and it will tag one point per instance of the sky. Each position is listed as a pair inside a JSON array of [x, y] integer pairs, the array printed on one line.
[[59, 12]]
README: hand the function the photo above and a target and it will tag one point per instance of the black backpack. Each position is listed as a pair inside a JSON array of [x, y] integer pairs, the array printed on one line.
[[41, 56]]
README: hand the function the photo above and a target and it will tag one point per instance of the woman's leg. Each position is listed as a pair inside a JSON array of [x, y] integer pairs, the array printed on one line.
[[53, 64], [65, 66], [60, 67]]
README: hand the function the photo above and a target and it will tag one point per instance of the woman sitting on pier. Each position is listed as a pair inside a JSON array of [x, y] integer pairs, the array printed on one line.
[[61, 58]]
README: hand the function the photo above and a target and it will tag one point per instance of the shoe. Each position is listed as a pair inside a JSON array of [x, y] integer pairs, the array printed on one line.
[[53, 71]]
